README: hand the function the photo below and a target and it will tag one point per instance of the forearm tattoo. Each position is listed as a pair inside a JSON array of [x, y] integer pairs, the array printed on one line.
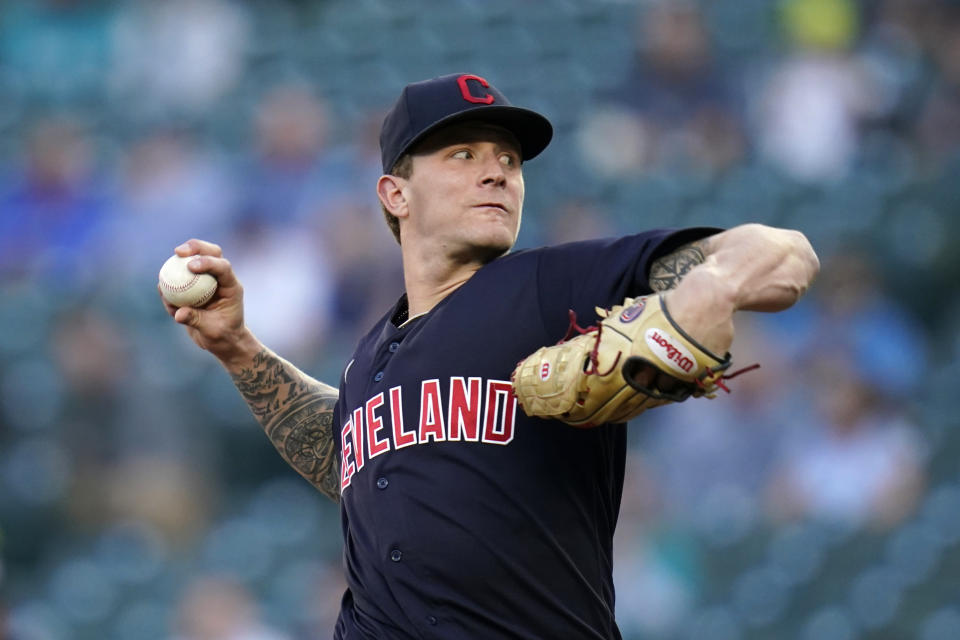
[[667, 272], [296, 413]]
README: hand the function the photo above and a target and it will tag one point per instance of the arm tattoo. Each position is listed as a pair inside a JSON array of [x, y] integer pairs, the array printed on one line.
[[667, 272], [296, 413]]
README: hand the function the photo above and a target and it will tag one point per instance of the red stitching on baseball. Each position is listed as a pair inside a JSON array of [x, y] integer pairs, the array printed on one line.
[[182, 287]]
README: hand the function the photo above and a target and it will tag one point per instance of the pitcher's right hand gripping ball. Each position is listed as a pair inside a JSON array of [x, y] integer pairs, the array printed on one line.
[[637, 358]]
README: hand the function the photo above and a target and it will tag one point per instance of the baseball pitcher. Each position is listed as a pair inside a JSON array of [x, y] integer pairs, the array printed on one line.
[[476, 441]]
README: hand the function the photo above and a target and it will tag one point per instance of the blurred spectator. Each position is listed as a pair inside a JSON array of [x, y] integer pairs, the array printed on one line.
[[92, 355], [306, 210], [366, 263], [893, 52], [218, 608], [320, 195], [172, 188], [704, 455], [815, 98], [848, 312], [324, 592], [860, 463], [675, 107], [938, 129], [167, 494], [52, 206], [656, 585], [295, 173], [858, 460], [177, 56], [656, 566], [131, 455], [288, 284]]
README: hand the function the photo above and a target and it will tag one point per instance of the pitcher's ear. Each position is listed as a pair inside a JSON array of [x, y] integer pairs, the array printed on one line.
[[390, 192]]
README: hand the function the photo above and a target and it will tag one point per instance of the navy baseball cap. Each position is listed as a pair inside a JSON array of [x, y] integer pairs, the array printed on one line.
[[426, 106]]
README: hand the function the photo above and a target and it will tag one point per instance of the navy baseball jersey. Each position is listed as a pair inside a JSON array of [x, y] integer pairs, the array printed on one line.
[[462, 517]]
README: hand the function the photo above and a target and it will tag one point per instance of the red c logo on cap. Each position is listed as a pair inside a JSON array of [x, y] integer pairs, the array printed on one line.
[[465, 90]]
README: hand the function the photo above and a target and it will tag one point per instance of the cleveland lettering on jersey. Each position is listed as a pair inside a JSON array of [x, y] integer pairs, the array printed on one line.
[[470, 411]]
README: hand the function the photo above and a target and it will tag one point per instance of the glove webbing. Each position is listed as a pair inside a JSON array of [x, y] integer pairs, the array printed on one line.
[[593, 357]]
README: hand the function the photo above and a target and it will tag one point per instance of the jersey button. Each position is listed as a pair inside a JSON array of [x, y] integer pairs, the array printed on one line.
[[394, 346], [432, 620], [378, 377], [395, 555], [382, 483]]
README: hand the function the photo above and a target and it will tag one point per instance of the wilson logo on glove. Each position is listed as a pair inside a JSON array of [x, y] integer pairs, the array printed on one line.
[[669, 351]]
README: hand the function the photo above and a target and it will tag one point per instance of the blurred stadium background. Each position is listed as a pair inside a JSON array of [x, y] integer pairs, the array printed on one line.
[[138, 499]]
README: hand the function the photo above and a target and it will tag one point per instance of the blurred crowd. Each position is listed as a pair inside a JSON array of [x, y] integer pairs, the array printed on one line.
[[139, 499]]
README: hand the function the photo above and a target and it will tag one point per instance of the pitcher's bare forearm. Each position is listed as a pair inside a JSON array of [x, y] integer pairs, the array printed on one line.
[[762, 268], [751, 267], [758, 268], [296, 412]]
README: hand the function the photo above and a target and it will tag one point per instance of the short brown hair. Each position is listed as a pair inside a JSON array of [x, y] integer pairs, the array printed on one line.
[[402, 169]]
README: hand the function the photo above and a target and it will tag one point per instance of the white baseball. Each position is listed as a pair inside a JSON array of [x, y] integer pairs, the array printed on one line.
[[182, 287]]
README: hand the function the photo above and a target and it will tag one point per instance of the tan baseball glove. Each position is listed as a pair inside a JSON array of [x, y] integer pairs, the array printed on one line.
[[637, 358]]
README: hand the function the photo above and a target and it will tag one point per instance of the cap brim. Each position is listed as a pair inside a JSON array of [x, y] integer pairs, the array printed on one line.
[[532, 130]]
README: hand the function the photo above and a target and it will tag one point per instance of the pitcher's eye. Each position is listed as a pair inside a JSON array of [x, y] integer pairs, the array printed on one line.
[[508, 159], [462, 154]]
